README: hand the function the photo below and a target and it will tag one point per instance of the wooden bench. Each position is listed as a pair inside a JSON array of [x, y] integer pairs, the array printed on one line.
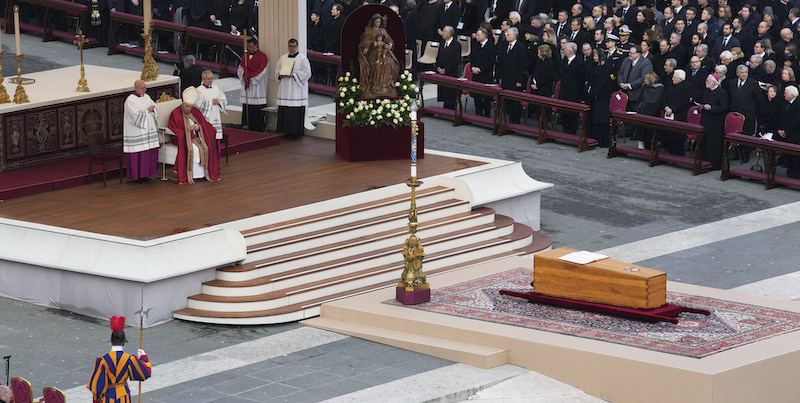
[[770, 149], [78, 11], [540, 131], [659, 126], [327, 59], [138, 23], [458, 114]]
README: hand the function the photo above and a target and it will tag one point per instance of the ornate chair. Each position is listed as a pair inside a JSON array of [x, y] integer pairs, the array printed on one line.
[[693, 116], [555, 116], [734, 122], [23, 393], [467, 74], [619, 101], [103, 158], [51, 394]]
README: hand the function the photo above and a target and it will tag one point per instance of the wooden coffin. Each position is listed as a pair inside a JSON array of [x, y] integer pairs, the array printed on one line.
[[605, 281]]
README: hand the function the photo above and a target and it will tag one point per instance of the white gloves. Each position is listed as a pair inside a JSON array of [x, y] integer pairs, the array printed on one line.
[[140, 353]]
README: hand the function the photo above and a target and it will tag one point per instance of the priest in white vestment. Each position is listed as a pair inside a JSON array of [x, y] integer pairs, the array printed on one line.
[[253, 96], [292, 73], [140, 135], [211, 103]]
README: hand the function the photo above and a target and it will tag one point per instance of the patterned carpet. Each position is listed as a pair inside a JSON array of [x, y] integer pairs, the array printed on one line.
[[730, 324]]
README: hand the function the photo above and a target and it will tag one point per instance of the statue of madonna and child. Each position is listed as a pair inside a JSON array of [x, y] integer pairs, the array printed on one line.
[[378, 66]]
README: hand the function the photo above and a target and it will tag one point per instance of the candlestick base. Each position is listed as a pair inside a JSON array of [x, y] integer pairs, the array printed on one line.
[[4, 98], [83, 86], [20, 97], [150, 69]]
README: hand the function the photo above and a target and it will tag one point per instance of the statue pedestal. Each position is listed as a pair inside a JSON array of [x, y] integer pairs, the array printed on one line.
[[416, 297], [367, 143]]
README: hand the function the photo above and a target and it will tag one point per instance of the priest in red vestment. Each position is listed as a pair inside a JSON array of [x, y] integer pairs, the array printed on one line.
[[253, 95], [197, 145]]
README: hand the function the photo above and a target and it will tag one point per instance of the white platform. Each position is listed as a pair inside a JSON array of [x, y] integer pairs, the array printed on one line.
[[99, 275]]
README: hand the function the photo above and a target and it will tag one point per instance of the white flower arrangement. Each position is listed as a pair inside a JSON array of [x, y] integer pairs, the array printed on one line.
[[391, 112]]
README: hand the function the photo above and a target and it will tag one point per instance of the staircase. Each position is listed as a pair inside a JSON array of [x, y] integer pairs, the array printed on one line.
[[293, 267]]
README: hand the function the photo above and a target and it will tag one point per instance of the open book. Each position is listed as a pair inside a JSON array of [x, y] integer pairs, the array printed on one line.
[[286, 69]]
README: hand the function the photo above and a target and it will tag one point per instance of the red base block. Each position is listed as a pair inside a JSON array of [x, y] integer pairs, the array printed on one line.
[[665, 313], [415, 297]]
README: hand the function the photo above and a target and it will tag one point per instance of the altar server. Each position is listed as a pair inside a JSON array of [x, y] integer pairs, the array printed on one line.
[[212, 101], [292, 73], [253, 95], [109, 381], [197, 146], [140, 135]]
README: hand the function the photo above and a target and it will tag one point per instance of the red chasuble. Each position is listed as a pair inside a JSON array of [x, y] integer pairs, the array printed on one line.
[[254, 66], [183, 162]]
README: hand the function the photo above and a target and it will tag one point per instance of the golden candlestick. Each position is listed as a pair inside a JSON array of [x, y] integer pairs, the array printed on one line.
[[83, 86], [20, 97], [149, 70], [413, 287], [4, 98]]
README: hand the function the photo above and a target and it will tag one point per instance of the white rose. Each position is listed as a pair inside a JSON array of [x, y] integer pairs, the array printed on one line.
[[395, 121]]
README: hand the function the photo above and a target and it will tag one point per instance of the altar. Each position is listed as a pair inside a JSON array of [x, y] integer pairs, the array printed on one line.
[[53, 125]]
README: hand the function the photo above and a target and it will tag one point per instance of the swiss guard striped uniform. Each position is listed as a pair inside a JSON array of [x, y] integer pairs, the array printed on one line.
[[111, 373]]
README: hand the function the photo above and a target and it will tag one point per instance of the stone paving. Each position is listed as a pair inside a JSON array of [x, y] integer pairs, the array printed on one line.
[[596, 203]]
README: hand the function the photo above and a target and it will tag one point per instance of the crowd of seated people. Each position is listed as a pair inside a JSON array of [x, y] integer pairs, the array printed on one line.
[[667, 56]]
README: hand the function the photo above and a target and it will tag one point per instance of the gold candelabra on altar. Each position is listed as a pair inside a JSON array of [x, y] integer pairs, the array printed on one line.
[[413, 287], [150, 69], [4, 98], [20, 96]]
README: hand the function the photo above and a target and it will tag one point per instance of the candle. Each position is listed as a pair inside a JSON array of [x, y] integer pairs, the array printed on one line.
[[148, 15], [16, 29], [413, 171]]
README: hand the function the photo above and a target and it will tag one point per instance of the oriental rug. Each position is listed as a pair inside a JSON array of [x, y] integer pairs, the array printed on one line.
[[731, 324]]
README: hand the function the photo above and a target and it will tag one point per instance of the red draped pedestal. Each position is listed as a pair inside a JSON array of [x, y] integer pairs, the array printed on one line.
[[367, 143]]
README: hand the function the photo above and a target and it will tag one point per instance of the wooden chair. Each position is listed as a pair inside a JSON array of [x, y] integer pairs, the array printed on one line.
[[618, 102], [467, 74], [693, 116], [466, 45], [23, 393], [734, 123], [103, 158], [431, 51], [52, 394], [555, 116]]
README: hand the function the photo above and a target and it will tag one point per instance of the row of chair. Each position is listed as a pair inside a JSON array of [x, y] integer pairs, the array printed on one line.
[[23, 392]]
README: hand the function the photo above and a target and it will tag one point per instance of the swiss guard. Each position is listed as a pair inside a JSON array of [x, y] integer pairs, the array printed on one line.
[[109, 382]]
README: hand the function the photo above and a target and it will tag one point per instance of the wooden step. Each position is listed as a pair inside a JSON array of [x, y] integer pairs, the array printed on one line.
[[355, 279], [435, 213], [350, 251], [421, 196], [310, 308], [361, 228]]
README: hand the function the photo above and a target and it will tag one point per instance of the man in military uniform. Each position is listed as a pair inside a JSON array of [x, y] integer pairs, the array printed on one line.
[[614, 55], [624, 37]]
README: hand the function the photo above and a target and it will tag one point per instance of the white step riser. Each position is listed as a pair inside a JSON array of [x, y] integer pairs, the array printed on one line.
[[365, 281], [399, 225], [343, 218], [430, 216], [339, 270], [335, 254], [269, 320]]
